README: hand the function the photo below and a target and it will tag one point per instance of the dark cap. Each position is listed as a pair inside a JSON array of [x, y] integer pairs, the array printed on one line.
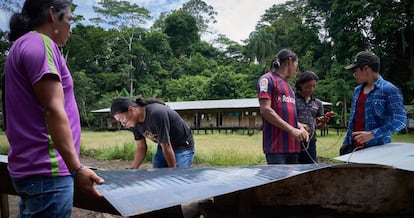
[[120, 105], [363, 58]]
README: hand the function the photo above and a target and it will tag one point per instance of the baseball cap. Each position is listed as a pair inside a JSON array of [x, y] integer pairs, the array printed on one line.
[[363, 58]]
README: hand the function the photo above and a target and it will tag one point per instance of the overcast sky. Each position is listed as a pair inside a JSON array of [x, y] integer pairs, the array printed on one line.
[[236, 18]]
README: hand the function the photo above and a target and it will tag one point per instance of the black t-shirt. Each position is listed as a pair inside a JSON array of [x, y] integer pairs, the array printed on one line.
[[162, 124]]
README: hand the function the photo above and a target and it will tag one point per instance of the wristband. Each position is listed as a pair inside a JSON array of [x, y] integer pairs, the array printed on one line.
[[75, 172]]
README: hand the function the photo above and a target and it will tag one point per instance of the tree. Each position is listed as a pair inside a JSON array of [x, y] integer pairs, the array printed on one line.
[[11, 6], [262, 44], [86, 93], [118, 14], [230, 49], [203, 13], [223, 84], [290, 31], [186, 88], [182, 30], [157, 44], [126, 18], [383, 27]]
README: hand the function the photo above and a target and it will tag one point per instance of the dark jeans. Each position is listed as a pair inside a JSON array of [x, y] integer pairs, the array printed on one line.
[[282, 158], [308, 152]]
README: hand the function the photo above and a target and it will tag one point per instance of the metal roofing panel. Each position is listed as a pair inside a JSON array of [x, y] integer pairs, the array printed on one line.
[[134, 192], [398, 154], [4, 159]]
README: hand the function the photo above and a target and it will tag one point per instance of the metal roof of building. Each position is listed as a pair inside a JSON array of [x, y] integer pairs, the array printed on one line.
[[209, 104]]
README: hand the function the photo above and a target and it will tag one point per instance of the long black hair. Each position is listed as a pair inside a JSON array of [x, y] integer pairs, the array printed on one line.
[[281, 57], [34, 14], [121, 104]]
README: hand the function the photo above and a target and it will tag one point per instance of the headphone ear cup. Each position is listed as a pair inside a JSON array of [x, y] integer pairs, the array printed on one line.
[[276, 63]]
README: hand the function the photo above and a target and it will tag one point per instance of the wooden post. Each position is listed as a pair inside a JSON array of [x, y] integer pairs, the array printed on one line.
[[4, 201]]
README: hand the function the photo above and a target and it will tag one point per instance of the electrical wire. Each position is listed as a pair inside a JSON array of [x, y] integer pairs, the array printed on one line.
[[353, 151], [305, 145], [306, 148]]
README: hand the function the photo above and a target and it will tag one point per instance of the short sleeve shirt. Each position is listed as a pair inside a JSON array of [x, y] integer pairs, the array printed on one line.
[[275, 88], [162, 124], [309, 111], [32, 152]]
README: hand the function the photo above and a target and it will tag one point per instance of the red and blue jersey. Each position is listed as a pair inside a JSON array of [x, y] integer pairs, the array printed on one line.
[[275, 88]]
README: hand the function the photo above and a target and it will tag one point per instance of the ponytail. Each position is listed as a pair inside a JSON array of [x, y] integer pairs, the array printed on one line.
[[19, 25], [281, 57], [141, 101]]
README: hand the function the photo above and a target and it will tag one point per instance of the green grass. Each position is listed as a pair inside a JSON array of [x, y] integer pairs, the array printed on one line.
[[218, 149]]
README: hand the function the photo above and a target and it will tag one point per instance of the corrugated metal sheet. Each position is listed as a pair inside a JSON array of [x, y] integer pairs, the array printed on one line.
[[209, 104], [134, 192], [4, 159], [215, 104], [399, 155]]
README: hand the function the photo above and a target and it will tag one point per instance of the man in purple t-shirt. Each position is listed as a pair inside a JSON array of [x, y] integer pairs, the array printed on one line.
[[281, 135]]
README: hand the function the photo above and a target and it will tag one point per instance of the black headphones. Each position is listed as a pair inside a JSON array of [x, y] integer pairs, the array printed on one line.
[[276, 63]]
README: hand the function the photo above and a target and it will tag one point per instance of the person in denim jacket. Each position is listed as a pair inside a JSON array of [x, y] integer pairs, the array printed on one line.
[[377, 106]]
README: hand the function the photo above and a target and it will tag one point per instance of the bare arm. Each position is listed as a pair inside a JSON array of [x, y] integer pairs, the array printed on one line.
[[49, 92], [270, 115], [169, 155], [140, 153]]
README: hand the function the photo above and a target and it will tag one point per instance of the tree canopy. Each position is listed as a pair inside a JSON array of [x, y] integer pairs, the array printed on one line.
[[117, 56]]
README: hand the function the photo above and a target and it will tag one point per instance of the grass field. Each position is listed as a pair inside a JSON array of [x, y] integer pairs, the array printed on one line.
[[218, 149]]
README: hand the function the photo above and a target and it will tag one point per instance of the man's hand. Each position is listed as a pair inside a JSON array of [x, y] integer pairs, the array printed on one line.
[[300, 134], [85, 180], [303, 126], [362, 137]]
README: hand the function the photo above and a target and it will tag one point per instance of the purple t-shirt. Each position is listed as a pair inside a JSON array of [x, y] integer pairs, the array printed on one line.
[[31, 152]]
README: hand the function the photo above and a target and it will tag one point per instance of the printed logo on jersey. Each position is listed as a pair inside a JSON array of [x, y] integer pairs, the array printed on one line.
[[286, 99], [315, 106], [263, 84]]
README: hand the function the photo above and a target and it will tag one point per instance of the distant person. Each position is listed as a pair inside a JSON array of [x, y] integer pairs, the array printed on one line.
[[281, 135], [377, 106], [310, 114], [152, 119], [41, 117]]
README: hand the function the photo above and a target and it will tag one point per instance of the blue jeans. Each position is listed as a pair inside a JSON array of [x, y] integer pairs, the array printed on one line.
[[282, 158], [183, 158], [44, 196]]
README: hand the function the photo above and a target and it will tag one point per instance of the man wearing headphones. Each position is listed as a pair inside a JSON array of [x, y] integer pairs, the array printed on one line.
[[377, 106], [310, 114]]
